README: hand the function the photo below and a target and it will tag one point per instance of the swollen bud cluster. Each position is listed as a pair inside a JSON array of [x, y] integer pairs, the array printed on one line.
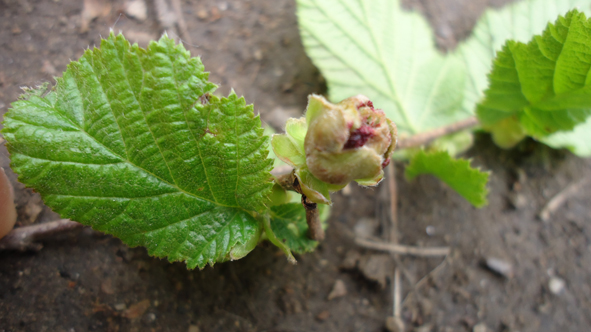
[[335, 144]]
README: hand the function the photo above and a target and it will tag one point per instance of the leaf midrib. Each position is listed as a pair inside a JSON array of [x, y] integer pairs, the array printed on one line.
[[174, 185], [138, 167]]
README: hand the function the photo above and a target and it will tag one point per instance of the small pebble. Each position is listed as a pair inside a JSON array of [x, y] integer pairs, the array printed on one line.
[[120, 306], [223, 6], [137, 9], [480, 328], [202, 14], [556, 285], [339, 289], [500, 267], [150, 318], [351, 259], [258, 55], [366, 227], [394, 324], [323, 315], [430, 230], [193, 328]]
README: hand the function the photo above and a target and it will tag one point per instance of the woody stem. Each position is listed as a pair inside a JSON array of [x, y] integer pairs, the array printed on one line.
[[290, 182]]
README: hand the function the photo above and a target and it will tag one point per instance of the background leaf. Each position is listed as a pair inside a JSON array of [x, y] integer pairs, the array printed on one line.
[[518, 22], [377, 49], [577, 141], [457, 173], [543, 84], [132, 143]]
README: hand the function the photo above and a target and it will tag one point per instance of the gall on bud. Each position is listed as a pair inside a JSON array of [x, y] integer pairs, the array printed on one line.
[[336, 144]]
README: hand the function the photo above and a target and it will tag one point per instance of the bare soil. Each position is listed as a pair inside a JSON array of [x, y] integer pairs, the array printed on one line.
[[87, 281]]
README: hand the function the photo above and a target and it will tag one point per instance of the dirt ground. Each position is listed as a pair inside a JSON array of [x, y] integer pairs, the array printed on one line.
[[90, 282]]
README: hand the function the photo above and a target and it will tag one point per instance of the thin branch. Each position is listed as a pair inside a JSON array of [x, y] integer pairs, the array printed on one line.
[[429, 136], [178, 12], [24, 238], [397, 290], [315, 230], [424, 279], [402, 249], [290, 182], [397, 296], [557, 201], [393, 189]]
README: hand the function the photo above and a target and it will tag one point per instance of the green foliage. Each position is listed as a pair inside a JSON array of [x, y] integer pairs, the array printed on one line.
[[132, 143], [457, 173], [543, 85], [386, 53], [518, 22], [376, 49], [289, 225]]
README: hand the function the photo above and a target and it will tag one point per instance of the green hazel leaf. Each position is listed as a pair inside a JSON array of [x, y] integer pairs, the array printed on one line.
[[469, 182], [132, 143], [544, 83], [289, 225], [377, 49], [519, 22]]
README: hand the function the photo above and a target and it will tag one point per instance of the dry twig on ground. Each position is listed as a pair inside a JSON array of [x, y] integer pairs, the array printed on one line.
[[402, 249], [557, 201], [24, 238], [429, 136]]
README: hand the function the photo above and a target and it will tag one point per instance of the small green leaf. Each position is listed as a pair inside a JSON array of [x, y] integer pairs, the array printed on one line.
[[132, 143], [519, 21], [457, 173], [289, 225], [287, 151], [544, 83]]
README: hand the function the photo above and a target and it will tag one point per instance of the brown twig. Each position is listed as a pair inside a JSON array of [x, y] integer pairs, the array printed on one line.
[[178, 11], [402, 249], [24, 238], [393, 189], [424, 279], [397, 287], [429, 136], [315, 231], [290, 182], [557, 201]]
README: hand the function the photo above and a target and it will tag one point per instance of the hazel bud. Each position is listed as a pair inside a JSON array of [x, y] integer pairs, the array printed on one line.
[[348, 141], [336, 144]]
